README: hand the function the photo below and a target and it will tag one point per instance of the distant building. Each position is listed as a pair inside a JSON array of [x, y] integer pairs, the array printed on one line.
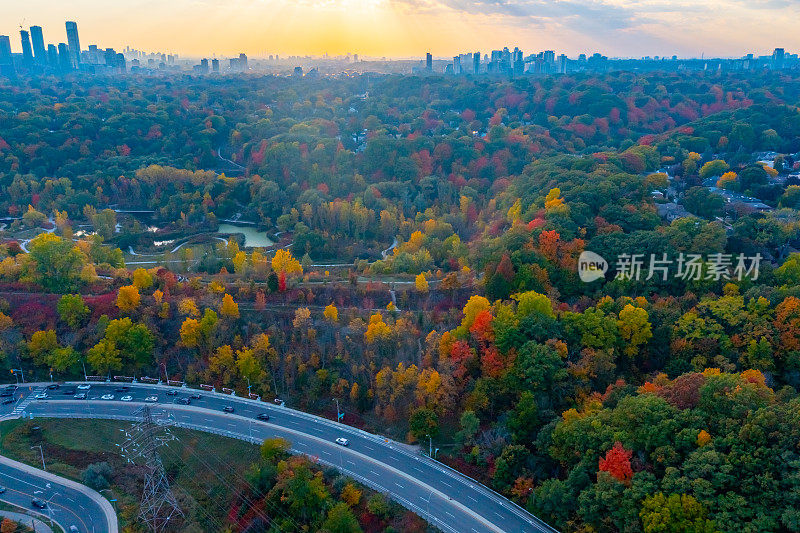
[[562, 64], [214, 65], [457, 65], [52, 56], [64, 57], [428, 62], [6, 60], [298, 71], [74, 43], [778, 57], [39, 51], [476, 63], [27, 51], [355, 58]]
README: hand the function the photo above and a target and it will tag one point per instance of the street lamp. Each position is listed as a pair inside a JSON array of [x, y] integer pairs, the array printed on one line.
[[430, 446], [41, 451], [339, 414]]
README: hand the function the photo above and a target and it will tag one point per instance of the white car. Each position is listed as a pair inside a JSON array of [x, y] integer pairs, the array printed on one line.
[[107, 397], [41, 396], [126, 398], [151, 399], [84, 386], [341, 441]]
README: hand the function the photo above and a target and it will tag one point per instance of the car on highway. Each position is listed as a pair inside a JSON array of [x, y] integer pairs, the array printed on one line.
[[228, 408], [123, 388], [278, 401], [184, 401], [172, 392], [73, 529], [39, 504], [107, 397], [41, 396], [6, 393], [195, 396], [262, 416], [127, 398], [151, 399], [67, 392], [84, 386], [8, 401], [80, 396], [2, 490], [341, 441], [53, 386]]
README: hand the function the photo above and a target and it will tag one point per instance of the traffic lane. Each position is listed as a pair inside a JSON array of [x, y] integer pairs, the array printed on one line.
[[68, 507], [449, 515], [460, 488]]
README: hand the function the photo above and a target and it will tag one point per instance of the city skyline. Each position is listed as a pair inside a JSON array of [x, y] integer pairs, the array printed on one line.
[[405, 29]]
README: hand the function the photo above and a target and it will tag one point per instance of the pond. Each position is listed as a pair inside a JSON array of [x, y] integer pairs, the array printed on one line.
[[252, 237]]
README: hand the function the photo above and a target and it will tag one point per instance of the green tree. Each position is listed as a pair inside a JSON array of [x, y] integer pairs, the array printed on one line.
[[424, 422], [341, 520], [676, 513], [57, 263], [72, 310]]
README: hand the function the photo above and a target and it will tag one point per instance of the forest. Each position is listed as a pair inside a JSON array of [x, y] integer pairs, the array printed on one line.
[[425, 270]]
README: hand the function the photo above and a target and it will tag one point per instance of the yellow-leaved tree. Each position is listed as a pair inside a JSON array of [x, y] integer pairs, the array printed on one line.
[[284, 261], [128, 298]]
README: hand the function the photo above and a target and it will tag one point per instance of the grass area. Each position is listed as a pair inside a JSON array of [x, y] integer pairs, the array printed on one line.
[[203, 482]]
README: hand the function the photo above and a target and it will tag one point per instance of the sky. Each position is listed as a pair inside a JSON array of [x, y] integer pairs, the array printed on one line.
[[409, 28]]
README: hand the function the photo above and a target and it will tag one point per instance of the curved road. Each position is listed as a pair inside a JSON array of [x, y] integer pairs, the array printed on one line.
[[67, 503], [447, 499]]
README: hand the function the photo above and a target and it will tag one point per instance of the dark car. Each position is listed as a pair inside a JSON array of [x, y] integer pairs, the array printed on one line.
[[195, 396], [2, 490], [123, 388], [262, 416], [228, 409], [68, 391], [8, 391], [8, 401], [184, 401], [39, 504], [53, 386], [172, 392]]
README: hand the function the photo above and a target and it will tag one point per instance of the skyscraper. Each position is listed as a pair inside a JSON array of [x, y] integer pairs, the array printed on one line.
[[27, 52], [428, 62], [476, 63], [52, 55], [6, 61], [74, 44], [64, 57], [39, 52]]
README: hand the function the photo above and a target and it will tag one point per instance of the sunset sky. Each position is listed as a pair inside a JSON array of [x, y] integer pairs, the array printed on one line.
[[409, 28]]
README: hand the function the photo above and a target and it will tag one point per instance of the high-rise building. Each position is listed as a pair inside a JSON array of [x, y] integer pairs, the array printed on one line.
[[27, 52], [476, 63], [39, 51], [52, 56], [562, 64], [64, 57], [74, 43], [6, 60], [457, 65], [778, 57], [428, 62], [5, 50], [242, 62], [215, 65]]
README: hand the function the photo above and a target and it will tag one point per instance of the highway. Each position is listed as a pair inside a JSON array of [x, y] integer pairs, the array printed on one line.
[[447, 499], [67, 503]]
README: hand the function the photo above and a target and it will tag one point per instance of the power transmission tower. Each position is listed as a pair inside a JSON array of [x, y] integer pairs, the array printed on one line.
[[141, 445]]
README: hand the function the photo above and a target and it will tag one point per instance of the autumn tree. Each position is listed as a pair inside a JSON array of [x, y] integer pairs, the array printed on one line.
[[284, 261], [229, 308], [617, 462], [331, 313], [634, 329], [128, 298]]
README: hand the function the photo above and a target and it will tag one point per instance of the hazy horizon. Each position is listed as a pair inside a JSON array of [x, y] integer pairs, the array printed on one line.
[[410, 28]]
